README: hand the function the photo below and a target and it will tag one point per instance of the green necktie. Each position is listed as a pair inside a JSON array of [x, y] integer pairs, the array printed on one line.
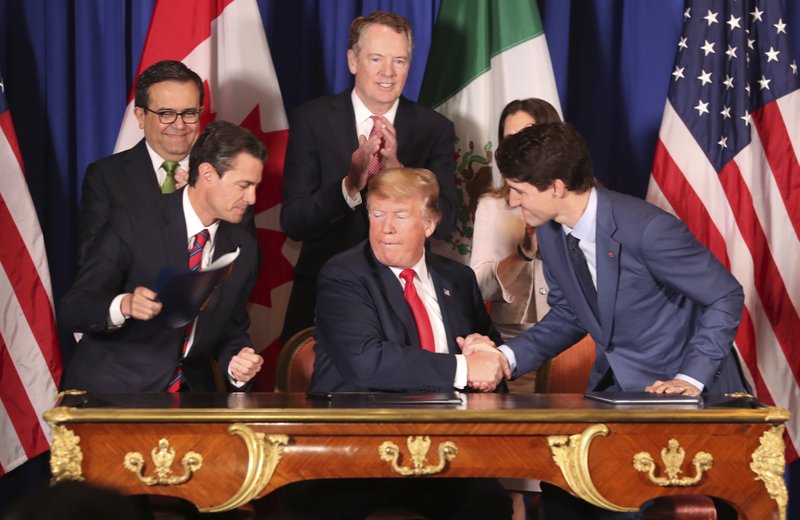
[[168, 186]]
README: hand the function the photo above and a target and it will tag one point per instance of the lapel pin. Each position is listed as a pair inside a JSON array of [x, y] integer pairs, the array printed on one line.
[[446, 292], [611, 254]]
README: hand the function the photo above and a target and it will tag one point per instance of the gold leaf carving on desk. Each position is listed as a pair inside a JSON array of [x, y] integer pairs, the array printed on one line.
[[264, 452], [66, 456], [768, 462], [163, 456], [418, 448], [571, 455], [673, 456]]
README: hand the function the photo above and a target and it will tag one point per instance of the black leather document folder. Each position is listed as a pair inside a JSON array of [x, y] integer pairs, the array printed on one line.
[[643, 398], [386, 398]]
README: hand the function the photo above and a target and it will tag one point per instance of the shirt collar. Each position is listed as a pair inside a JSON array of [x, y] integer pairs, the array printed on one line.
[[586, 228], [421, 268], [363, 113], [193, 223], [157, 160]]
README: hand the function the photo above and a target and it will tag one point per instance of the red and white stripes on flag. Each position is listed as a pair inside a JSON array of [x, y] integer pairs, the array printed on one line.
[[726, 163], [30, 356], [223, 41]]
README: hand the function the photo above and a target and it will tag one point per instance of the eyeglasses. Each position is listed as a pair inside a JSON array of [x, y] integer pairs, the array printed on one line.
[[167, 117]]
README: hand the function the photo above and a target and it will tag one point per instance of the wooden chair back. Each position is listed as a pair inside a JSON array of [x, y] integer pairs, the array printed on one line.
[[567, 373], [296, 363]]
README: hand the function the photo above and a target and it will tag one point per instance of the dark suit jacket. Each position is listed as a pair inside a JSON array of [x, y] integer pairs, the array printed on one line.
[[140, 355], [322, 139], [123, 178], [666, 305], [366, 336]]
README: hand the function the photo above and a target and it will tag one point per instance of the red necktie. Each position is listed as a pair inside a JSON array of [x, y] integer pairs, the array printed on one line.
[[375, 161], [421, 318], [195, 259]]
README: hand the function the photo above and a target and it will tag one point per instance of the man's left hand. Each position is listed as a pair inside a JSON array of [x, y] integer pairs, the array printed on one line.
[[673, 386], [245, 365]]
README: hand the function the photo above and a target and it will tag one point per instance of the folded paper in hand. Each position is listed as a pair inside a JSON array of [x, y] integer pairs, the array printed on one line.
[[183, 294]]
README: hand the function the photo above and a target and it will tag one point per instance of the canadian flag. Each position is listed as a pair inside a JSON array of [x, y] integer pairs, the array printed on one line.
[[224, 42]]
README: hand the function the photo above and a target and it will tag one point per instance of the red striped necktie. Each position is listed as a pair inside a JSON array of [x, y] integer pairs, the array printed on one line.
[[195, 260], [424, 330]]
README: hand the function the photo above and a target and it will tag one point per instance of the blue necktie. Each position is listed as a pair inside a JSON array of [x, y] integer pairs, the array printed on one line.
[[578, 260]]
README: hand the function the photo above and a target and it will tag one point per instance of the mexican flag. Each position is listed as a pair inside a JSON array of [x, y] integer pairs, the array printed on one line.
[[484, 54]]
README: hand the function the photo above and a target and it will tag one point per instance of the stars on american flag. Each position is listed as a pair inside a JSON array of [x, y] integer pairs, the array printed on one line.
[[740, 59]]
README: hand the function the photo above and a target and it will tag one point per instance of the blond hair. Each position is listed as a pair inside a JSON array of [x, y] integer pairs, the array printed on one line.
[[403, 183]]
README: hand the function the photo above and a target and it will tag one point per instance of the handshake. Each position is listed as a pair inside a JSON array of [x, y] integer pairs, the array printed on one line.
[[486, 365]]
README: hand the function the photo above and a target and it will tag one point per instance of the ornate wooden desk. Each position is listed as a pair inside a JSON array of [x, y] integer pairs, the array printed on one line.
[[221, 451]]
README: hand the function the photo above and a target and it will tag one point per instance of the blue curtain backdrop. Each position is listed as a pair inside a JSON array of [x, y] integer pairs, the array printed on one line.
[[69, 66]]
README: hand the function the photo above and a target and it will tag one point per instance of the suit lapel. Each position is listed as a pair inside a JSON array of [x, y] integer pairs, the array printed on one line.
[[139, 171], [223, 244], [391, 288], [442, 288], [607, 263], [574, 293], [341, 122], [173, 231], [402, 125]]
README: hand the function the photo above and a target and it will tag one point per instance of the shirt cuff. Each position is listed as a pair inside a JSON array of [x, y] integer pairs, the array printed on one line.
[[235, 382], [115, 317], [352, 202], [512, 359], [691, 380], [461, 372]]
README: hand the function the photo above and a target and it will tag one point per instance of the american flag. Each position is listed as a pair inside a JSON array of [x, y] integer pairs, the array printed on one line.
[[30, 358], [726, 163]]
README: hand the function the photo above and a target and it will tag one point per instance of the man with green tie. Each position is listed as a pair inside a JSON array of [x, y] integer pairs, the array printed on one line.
[[169, 100]]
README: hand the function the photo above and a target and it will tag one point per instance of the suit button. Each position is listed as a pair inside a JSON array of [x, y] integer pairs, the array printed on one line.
[[542, 290]]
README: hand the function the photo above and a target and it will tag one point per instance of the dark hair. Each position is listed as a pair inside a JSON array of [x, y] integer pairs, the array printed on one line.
[[76, 500], [540, 110], [219, 144], [399, 23], [540, 154], [166, 70]]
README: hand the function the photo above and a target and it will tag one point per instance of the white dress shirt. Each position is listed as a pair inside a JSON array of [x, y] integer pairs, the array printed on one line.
[[427, 293], [158, 163]]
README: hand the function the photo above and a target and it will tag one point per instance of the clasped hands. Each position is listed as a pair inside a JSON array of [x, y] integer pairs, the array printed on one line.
[[486, 365], [383, 143], [142, 304]]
